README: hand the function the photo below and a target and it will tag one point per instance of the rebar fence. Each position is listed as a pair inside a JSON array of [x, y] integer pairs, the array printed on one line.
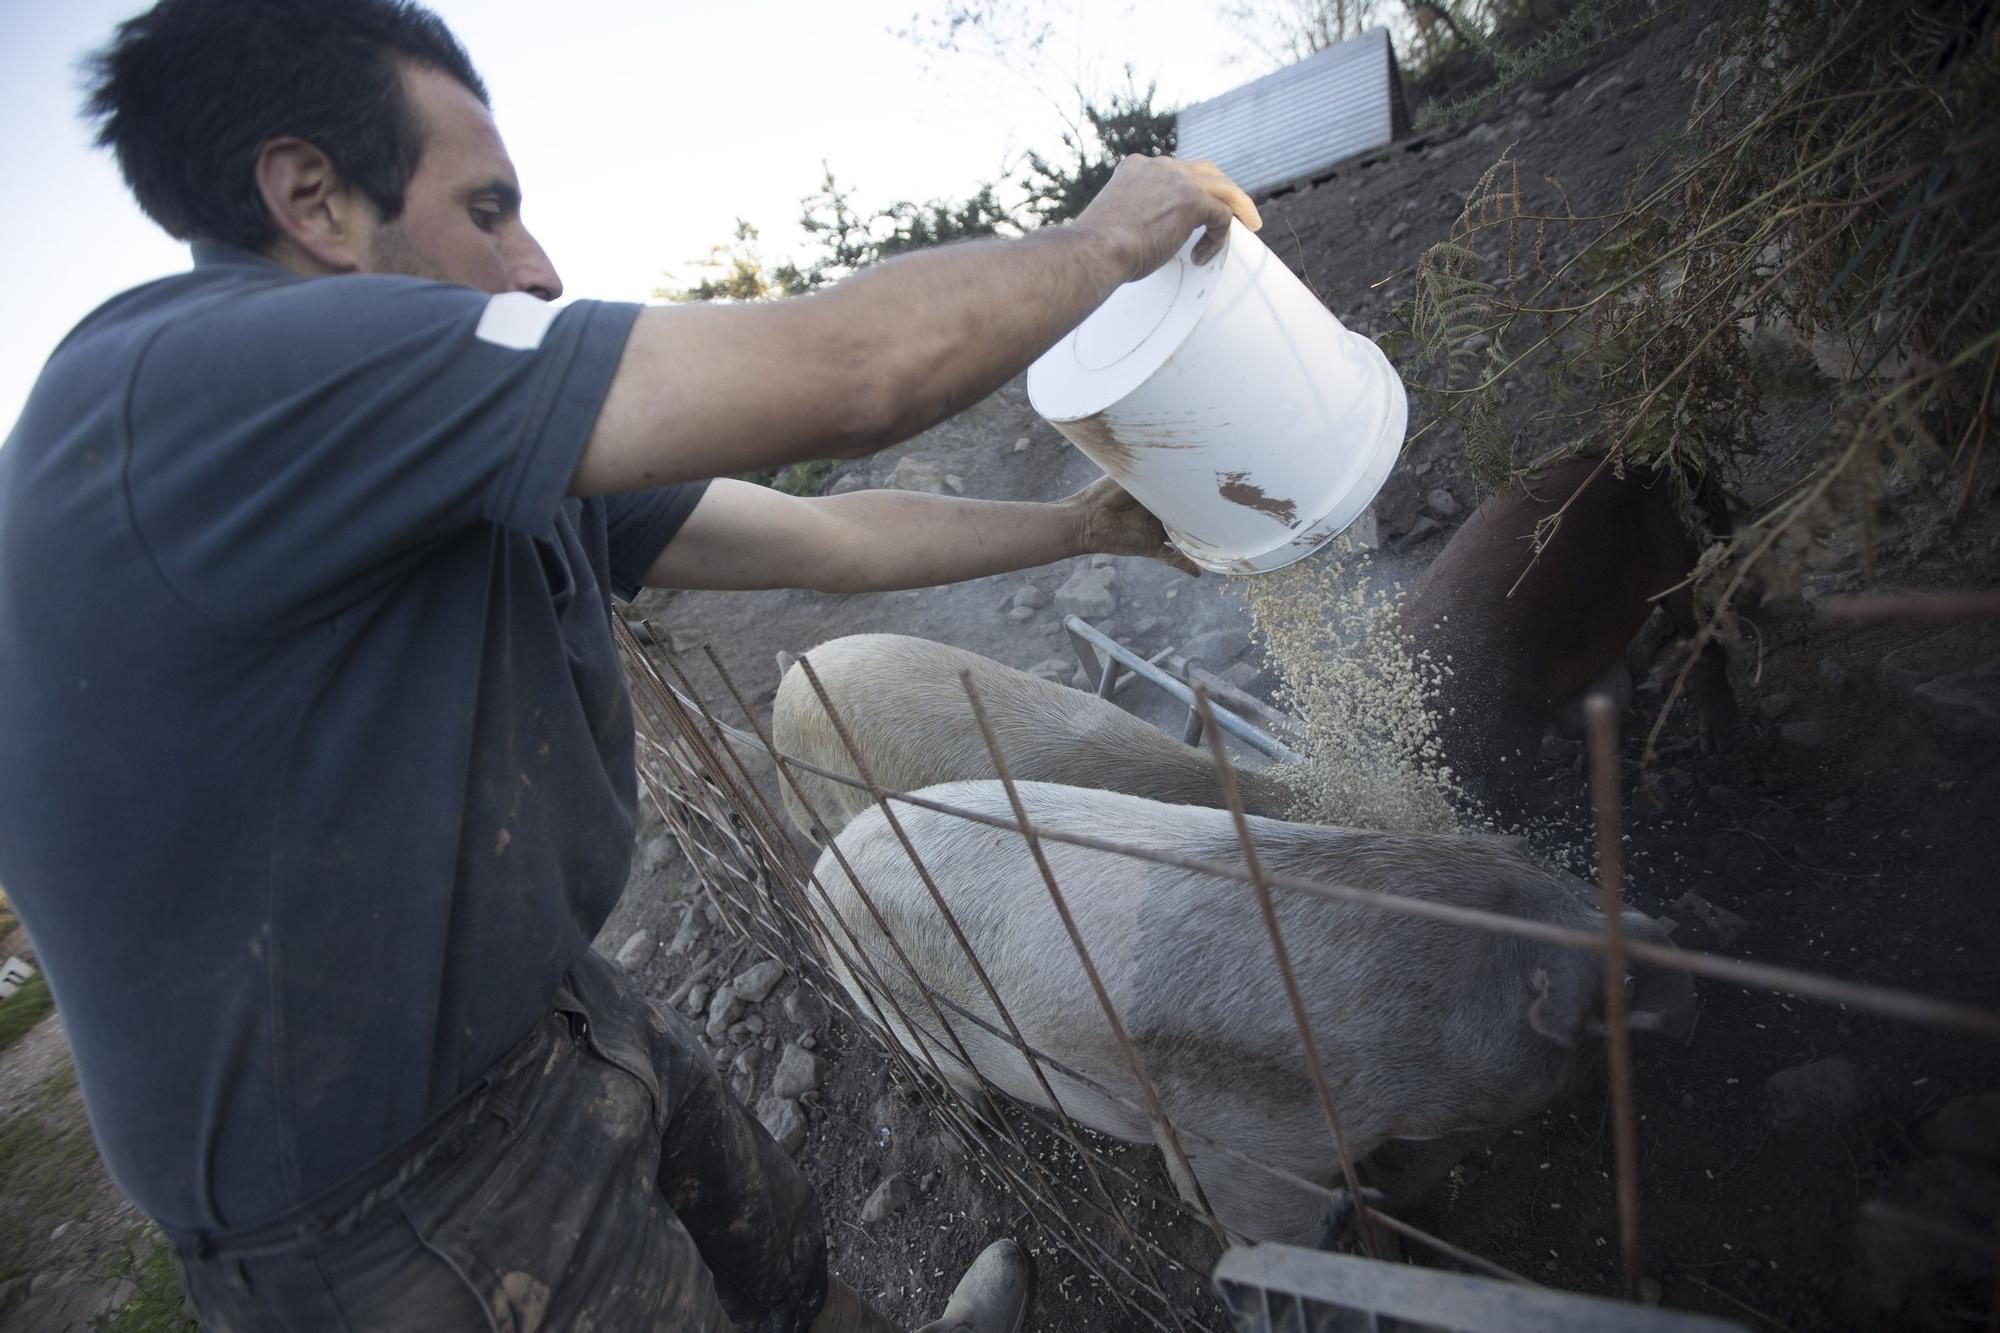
[[1073, 1143]]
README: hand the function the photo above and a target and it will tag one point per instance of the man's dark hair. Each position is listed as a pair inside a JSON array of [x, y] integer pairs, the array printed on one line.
[[188, 92]]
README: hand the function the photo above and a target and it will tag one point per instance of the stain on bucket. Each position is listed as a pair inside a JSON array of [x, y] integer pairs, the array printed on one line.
[[1237, 488]]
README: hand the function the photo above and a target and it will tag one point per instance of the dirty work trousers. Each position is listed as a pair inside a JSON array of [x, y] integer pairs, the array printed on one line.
[[600, 1176]]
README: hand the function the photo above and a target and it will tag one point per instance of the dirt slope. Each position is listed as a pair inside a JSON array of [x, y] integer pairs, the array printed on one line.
[[1849, 830]]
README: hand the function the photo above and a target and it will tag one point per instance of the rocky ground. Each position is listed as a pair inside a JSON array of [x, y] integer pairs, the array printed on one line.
[[1849, 830]]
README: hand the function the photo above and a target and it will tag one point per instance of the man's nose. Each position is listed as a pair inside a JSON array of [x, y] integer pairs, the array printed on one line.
[[532, 272]]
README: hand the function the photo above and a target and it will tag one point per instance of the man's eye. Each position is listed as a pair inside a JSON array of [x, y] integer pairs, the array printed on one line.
[[486, 219]]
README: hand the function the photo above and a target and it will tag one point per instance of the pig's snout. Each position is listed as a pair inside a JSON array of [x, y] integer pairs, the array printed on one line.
[[1569, 996]]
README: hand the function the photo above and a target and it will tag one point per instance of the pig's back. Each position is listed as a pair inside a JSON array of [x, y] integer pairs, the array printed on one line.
[[1408, 1013]]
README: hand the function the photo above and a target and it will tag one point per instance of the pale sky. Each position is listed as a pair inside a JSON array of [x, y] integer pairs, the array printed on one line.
[[641, 129]]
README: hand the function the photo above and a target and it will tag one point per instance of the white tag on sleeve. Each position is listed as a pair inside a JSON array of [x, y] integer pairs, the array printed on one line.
[[516, 320]]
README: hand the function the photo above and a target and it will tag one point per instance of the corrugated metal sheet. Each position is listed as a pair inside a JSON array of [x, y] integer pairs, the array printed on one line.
[[1291, 123]]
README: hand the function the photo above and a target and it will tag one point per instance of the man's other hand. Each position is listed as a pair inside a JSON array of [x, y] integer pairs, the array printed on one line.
[[1116, 524], [1152, 205]]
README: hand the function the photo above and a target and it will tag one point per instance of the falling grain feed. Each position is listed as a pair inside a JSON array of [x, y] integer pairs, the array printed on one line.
[[1371, 757]]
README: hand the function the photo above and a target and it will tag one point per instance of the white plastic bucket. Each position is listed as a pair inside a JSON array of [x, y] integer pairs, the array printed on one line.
[[1231, 403]]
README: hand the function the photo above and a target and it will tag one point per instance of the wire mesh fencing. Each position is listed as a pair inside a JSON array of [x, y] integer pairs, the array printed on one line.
[[904, 945]]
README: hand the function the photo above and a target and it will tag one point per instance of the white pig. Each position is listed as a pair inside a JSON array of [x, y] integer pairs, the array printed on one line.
[[903, 702]]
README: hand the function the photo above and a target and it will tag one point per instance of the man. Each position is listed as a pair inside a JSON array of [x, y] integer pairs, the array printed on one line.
[[361, 496]]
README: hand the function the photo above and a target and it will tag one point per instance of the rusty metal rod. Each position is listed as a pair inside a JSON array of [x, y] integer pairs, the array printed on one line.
[[1207, 1143], [947, 1113], [999, 1118], [1601, 719], [1877, 999], [1202, 1140], [681, 718], [785, 865], [1890, 1002], [1404, 1229], [772, 840], [729, 739], [958, 934], [1226, 775], [947, 1108], [1155, 1108]]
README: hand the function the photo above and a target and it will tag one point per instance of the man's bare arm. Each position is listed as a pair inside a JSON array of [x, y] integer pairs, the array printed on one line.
[[743, 536], [711, 390]]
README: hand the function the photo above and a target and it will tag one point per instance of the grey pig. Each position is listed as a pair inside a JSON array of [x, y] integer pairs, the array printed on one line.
[[1425, 1029]]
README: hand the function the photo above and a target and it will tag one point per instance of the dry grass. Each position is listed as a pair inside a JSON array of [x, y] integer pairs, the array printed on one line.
[[1836, 190]]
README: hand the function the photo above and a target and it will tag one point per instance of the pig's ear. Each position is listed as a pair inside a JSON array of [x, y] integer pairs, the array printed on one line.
[[1558, 1009]]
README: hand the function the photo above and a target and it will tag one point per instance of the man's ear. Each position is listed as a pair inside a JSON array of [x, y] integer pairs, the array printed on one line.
[[319, 217]]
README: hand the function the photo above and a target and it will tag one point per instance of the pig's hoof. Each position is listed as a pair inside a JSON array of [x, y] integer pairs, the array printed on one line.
[[1341, 1215]]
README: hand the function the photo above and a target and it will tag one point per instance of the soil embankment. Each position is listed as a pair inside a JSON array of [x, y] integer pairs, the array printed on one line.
[[1847, 830]]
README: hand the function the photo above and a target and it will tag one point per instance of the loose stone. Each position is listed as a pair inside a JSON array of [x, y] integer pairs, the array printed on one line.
[[784, 1121], [799, 1072], [637, 951], [756, 983]]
